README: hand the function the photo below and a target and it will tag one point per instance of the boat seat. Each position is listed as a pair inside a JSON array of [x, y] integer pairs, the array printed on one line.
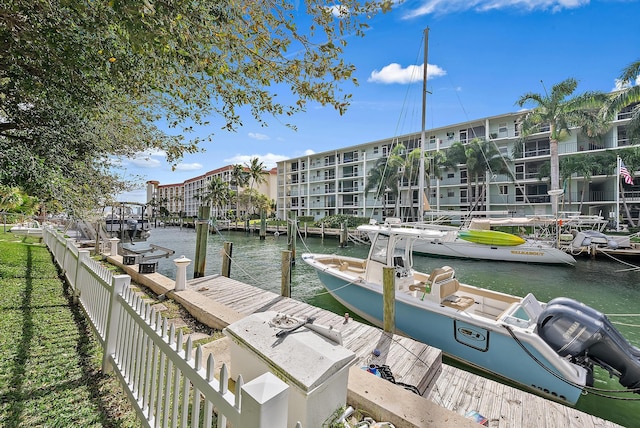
[[449, 298], [458, 302]]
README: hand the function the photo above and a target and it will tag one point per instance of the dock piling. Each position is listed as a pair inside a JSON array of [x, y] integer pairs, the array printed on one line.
[[226, 259], [389, 299]]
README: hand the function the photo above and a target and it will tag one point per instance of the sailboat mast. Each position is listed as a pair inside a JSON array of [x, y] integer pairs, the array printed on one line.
[[421, 194]]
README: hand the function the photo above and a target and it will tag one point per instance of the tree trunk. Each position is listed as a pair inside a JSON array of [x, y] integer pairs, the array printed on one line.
[[555, 163], [584, 186]]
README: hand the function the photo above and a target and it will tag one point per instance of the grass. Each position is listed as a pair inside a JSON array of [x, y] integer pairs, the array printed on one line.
[[49, 360]]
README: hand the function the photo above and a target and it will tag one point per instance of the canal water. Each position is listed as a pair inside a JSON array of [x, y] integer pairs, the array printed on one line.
[[606, 285]]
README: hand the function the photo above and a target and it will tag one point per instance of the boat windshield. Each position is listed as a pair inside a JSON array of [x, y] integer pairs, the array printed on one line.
[[379, 249]]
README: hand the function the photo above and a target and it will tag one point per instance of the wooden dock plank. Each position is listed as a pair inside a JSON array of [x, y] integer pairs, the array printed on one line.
[[411, 362]]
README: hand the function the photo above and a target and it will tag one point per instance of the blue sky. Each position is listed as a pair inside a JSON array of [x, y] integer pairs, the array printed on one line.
[[482, 56]]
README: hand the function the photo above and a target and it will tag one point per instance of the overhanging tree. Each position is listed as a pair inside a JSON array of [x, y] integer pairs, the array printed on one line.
[[82, 81], [628, 97]]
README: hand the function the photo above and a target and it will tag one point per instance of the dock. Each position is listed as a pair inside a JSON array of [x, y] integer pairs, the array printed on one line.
[[412, 363]]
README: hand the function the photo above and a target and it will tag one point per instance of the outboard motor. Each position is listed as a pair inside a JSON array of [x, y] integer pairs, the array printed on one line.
[[576, 330]]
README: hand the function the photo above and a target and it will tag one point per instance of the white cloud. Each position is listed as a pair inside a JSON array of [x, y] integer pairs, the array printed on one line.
[[148, 159], [309, 152], [394, 73], [619, 84], [145, 162], [443, 7], [339, 10], [194, 166], [258, 136], [269, 160]]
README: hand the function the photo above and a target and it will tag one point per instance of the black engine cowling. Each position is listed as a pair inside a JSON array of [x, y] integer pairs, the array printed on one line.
[[576, 330]]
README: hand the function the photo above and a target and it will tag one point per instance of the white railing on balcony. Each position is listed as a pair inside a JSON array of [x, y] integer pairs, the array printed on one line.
[[166, 383]]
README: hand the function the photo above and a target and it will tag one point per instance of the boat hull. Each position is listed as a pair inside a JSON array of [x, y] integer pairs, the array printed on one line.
[[525, 253], [487, 245], [488, 347], [30, 229]]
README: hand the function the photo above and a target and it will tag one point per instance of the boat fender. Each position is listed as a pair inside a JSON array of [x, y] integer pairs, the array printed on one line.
[[612, 244]]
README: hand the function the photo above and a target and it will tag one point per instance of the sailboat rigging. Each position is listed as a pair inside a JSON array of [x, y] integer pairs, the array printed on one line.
[[421, 194]]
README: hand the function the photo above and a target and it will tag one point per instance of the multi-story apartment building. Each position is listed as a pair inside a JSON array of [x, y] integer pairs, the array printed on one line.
[[334, 182], [185, 198]]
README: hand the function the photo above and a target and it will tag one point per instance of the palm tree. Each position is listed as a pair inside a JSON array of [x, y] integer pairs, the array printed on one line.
[[9, 197], [380, 179], [411, 176], [385, 177], [239, 178], [178, 201], [216, 194], [586, 166], [631, 159], [629, 96], [559, 114], [480, 157], [569, 166], [255, 173]]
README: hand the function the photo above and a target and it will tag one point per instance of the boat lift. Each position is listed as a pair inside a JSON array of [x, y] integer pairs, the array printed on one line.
[[148, 253]]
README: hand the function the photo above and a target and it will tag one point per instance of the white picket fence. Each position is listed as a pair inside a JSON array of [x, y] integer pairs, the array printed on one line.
[[166, 385]]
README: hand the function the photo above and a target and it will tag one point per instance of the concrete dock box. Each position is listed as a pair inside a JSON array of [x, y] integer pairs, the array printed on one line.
[[315, 367]]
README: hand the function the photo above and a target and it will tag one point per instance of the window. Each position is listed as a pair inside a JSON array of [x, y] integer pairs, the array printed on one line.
[[432, 139], [450, 135], [502, 129], [450, 193], [463, 135], [623, 139], [375, 150], [504, 190]]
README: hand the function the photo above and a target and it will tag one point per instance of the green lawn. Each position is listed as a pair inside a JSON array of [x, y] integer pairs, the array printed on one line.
[[49, 361]]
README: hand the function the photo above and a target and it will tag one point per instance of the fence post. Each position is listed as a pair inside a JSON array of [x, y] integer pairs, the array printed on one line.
[[265, 402], [181, 273], [82, 254], [65, 253], [119, 283], [113, 251]]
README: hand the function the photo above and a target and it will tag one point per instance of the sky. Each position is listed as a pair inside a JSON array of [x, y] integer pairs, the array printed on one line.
[[482, 56]]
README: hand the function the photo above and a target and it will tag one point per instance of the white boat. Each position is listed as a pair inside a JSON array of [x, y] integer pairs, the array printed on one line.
[[547, 348], [30, 228], [477, 242]]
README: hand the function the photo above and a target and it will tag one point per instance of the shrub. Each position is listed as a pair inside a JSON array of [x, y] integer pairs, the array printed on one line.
[[335, 221]]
